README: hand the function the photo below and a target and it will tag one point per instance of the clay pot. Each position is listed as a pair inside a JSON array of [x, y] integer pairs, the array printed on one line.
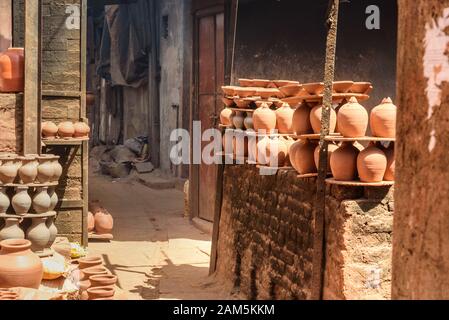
[[291, 90], [41, 200], [53, 198], [342, 86], [371, 164], [304, 157], [284, 83], [228, 102], [315, 88], [344, 162], [352, 119], [264, 119], [330, 149], [104, 222], [261, 83], [266, 93], [226, 117], [4, 201], [389, 153], [57, 167], [276, 152], [45, 169], [246, 82], [11, 230], [21, 201], [9, 168], [262, 146], [301, 120], [284, 119], [100, 293], [90, 222], [228, 90], [361, 87], [248, 122], [237, 120], [244, 92], [19, 267], [288, 142], [383, 119], [315, 119], [12, 70], [66, 129], [292, 153], [242, 103], [268, 103], [82, 130], [93, 271], [38, 234], [108, 280], [49, 129], [89, 262], [50, 223], [28, 170]]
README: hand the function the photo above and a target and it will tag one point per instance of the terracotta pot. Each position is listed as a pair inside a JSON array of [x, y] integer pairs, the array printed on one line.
[[45, 169], [291, 90], [21, 201], [301, 120], [342, 86], [89, 262], [389, 153], [12, 70], [41, 200], [264, 119], [108, 280], [82, 130], [288, 142], [50, 223], [284, 83], [100, 293], [57, 169], [104, 222], [276, 152], [49, 129], [237, 120], [262, 145], [4, 200], [344, 162], [228, 102], [90, 222], [38, 234], [66, 129], [9, 168], [314, 88], [242, 103], [330, 149], [352, 119], [261, 83], [315, 119], [304, 157], [361, 87], [248, 122], [53, 198], [19, 267], [371, 164], [92, 271], [11, 230], [284, 119], [292, 153], [246, 82], [226, 117], [383, 119], [228, 90], [28, 170], [268, 103], [244, 92]]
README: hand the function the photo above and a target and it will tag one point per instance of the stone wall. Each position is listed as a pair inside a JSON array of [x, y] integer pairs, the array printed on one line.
[[11, 119], [266, 231]]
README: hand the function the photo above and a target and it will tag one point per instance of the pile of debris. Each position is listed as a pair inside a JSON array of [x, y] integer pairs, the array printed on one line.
[[118, 161]]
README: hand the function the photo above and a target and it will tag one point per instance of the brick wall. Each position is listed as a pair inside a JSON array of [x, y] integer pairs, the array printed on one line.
[[265, 242], [11, 119]]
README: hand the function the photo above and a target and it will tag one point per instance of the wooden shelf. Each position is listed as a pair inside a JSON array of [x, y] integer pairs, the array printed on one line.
[[360, 183], [347, 139], [336, 97], [64, 142], [30, 185], [307, 175], [30, 215], [242, 109], [314, 136], [104, 237]]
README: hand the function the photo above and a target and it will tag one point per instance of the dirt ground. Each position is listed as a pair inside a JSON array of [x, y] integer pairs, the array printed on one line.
[[156, 252]]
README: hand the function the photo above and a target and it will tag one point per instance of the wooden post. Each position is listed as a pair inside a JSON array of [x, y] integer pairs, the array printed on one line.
[[320, 207], [32, 92]]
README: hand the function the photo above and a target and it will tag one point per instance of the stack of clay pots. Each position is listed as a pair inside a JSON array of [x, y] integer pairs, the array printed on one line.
[[99, 221], [96, 282], [374, 163], [65, 130], [12, 66]]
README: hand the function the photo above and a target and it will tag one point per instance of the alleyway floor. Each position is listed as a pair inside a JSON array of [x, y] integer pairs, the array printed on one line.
[[156, 252]]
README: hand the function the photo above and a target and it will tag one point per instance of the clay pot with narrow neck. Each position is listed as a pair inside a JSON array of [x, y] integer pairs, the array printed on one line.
[[82, 130], [237, 120], [352, 119], [304, 157], [66, 129], [11, 230], [45, 169], [19, 267], [284, 119], [12, 68], [41, 200], [104, 222], [330, 149], [383, 119], [248, 122], [226, 117], [344, 162], [264, 119], [315, 119], [9, 168], [389, 153], [28, 170], [301, 120], [53, 198], [100, 293], [4, 200], [371, 164], [38, 234], [49, 129], [57, 169], [21, 201], [50, 223], [276, 152]]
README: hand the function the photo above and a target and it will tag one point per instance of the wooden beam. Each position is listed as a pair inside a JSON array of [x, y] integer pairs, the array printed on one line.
[[32, 92]]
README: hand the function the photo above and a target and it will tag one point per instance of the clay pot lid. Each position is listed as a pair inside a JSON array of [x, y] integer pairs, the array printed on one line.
[[15, 244], [261, 83], [284, 83], [246, 82], [342, 86], [314, 88], [291, 90]]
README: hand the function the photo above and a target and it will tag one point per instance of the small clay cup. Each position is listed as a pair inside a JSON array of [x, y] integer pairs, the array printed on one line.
[[107, 280], [90, 261], [100, 293]]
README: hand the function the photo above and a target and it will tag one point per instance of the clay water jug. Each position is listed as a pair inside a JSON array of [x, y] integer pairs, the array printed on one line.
[[248, 122], [57, 167], [4, 200], [49, 129], [383, 119], [238, 119], [19, 267], [264, 119], [45, 169], [292, 153], [41, 200], [8, 169], [284, 119], [301, 120], [315, 119], [344, 162], [304, 157], [226, 117], [276, 152], [371, 164], [389, 153], [12, 69], [28, 170], [90, 222], [330, 149], [352, 119], [53, 198], [11, 230], [66, 129], [38, 234], [50, 223], [104, 222], [82, 130], [21, 201]]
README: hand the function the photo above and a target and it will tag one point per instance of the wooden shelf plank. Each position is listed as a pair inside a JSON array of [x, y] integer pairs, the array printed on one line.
[[347, 139], [360, 183]]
